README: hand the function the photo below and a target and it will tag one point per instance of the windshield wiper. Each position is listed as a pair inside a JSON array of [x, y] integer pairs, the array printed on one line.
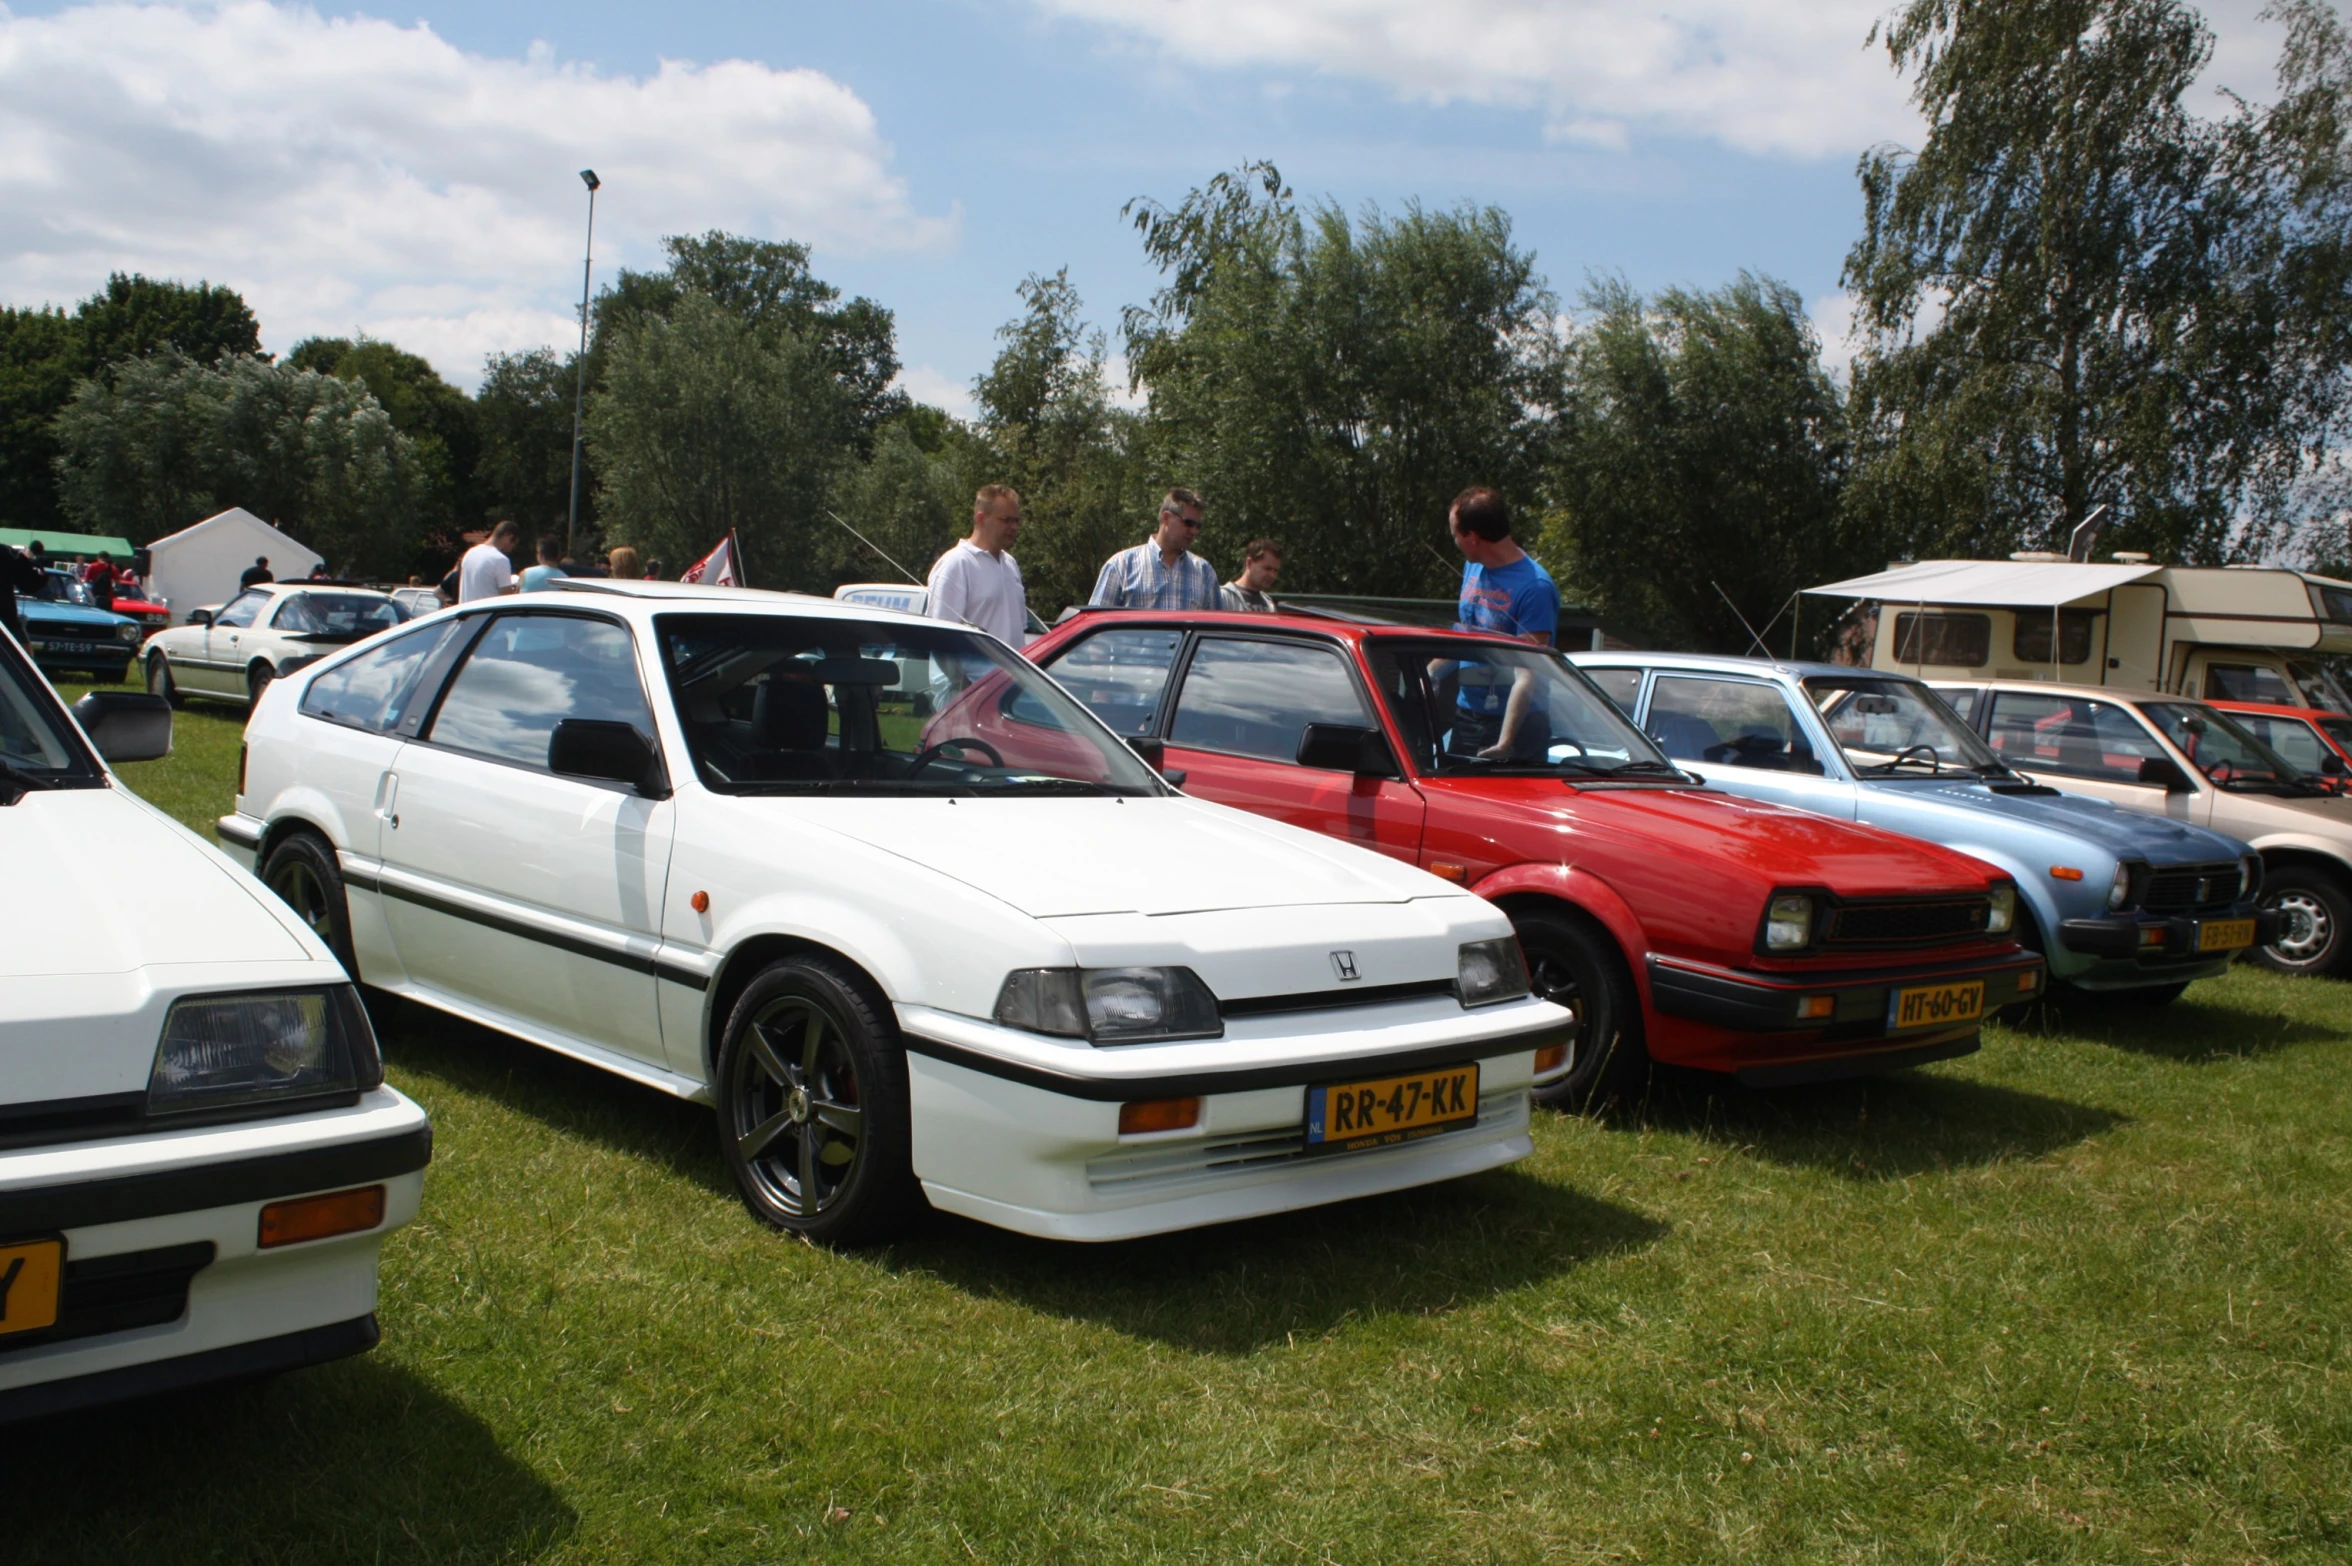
[[15, 780], [1646, 768], [1045, 786]]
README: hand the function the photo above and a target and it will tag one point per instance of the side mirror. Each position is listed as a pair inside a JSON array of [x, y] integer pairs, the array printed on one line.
[[1346, 747], [126, 725], [1155, 756], [2331, 765], [608, 752], [200, 617], [2166, 774]]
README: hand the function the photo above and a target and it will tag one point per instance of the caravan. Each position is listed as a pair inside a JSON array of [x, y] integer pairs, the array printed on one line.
[[2215, 633]]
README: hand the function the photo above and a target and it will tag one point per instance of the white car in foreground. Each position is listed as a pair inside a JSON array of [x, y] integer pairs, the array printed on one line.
[[702, 837], [198, 1156]]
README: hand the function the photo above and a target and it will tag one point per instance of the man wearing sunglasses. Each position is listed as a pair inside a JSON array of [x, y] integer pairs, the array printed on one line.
[[1162, 572]]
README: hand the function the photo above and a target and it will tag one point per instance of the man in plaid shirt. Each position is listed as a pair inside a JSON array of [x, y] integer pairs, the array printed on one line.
[[1161, 573]]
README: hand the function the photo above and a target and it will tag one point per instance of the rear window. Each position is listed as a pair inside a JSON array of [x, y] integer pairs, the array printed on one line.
[[1956, 640], [1621, 686]]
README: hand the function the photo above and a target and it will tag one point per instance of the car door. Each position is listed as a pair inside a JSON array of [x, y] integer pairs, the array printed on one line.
[[2083, 746], [532, 899], [1745, 736], [222, 666], [1121, 675], [1234, 728]]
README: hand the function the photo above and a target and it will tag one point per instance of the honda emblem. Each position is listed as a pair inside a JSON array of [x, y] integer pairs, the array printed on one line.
[[1344, 964]]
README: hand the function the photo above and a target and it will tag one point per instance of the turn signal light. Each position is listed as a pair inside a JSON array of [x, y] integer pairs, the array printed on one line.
[[2065, 873], [2027, 983], [1159, 1114], [321, 1217], [2152, 935], [1458, 874], [1817, 1008], [1550, 1059]]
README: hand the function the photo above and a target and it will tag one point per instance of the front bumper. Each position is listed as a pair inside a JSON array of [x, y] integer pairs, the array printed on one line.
[[1022, 1132], [165, 1283], [2172, 940]]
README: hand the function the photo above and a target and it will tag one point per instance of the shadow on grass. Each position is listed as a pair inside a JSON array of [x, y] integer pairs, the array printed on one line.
[[1875, 1128], [356, 1461], [1236, 1287], [2186, 1030]]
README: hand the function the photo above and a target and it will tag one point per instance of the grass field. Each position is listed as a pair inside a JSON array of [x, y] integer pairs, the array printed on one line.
[[2080, 1297]]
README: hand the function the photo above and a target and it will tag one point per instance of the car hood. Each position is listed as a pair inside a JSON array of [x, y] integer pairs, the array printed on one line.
[[69, 911], [33, 611], [1055, 858], [2120, 833]]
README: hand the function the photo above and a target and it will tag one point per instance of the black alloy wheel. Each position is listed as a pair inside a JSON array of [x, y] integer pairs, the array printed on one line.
[[303, 871], [812, 1105], [2315, 917], [1576, 967], [257, 680], [159, 679]]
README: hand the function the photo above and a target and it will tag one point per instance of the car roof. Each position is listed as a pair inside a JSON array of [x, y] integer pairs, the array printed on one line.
[[304, 584], [1730, 663], [638, 598], [2114, 693], [1314, 624], [2274, 709]]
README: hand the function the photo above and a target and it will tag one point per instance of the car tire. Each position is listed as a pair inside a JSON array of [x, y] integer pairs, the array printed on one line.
[[257, 680], [305, 874], [160, 681], [2317, 916], [811, 1092], [1572, 965]]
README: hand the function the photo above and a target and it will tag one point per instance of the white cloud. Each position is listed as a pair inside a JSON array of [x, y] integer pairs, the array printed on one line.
[[350, 174], [1833, 323], [929, 384]]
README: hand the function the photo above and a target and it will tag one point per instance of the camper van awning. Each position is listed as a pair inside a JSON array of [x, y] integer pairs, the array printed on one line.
[[2012, 584]]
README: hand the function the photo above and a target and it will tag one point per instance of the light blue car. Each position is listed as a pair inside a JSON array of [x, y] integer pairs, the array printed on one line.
[[2121, 900]]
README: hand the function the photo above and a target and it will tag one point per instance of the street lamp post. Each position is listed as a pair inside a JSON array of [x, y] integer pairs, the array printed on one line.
[[580, 385]]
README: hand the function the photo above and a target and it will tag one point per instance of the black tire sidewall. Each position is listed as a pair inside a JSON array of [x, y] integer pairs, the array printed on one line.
[[883, 1196], [258, 679], [2329, 890], [320, 856], [1610, 1059], [159, 670]]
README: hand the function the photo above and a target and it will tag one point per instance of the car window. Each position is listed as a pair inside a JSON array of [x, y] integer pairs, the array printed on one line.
[[1255, 698], [2246, 682], [2069, 735], [2317, 687], [1735, 723], [350, 616], [34, 736], [1120, 675], [1962, 701], [1959, 640], [1622, 686], [2290, 737], [2222, 749], [1890, 727], [59, 588], [529, 672], [372, 690], [240, 610], [2339, 730]]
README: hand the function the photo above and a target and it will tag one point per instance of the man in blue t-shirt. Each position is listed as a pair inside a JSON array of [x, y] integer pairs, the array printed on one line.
[[1506, 592]]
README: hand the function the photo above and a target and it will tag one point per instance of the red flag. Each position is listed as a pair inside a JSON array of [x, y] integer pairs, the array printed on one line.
[[722, 567]]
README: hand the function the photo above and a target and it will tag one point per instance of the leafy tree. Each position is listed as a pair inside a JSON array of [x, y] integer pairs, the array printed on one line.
[[912, 498], [523, 413], [136, 315], [1334, 383], [1701, 461], [164, 441], [708, 422], [439, 420]]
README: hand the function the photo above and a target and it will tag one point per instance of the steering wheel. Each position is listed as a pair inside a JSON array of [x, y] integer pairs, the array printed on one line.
[[931, 753], [1935, 759], [2221, 772]]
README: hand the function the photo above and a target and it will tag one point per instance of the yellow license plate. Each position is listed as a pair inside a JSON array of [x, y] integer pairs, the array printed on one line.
[[2225, 935], [1349, 1116], [1936, 1005], [30, 1271]]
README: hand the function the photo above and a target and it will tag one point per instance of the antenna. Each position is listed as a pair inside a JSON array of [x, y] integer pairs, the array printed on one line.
[[1743, 619], [870, 544], [2085, 536]]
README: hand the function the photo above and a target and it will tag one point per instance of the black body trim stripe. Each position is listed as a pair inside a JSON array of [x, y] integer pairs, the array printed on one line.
[[1237, 1079], [1334, 1000], [264, 1356], [120, 1198], [673, 972], [231, 829]]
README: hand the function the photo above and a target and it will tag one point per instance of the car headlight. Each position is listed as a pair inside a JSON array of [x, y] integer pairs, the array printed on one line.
[[1110, 1005], [225, 1050], [1788, 923], [1490, 971], [2249, 876], [129, 631], [2001, 911]]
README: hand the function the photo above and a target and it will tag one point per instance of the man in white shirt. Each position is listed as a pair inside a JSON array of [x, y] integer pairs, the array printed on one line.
[[978, 582], [487, 569]]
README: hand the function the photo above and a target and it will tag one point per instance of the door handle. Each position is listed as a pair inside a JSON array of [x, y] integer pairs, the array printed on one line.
[[388, 796]]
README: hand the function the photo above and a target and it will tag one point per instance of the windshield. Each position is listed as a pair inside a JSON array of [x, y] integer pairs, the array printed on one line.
[[345, 616], [777, 704], [58, 588], [1894, 727], [2222, 750], [37, 746], [1486, 709], [2317, 688]]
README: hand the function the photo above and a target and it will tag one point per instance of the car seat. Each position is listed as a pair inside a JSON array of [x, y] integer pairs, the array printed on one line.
[[1682, 736], [789, 720]]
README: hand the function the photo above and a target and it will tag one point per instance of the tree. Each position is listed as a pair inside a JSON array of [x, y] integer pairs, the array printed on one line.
[[523, 413], [439, 420], [1334, 383], [164, 441], [912, 498], [134, 315], [707, 422], [1701, 461], [2072, 290]]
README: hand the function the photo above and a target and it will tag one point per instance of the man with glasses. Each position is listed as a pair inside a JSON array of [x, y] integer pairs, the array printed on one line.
[[1162, 572]]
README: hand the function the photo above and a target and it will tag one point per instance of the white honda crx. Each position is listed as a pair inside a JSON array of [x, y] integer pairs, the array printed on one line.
[[198, 1156], [903, 911]]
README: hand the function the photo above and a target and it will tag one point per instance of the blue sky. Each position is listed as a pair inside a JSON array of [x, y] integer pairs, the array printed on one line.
[[410, 172]]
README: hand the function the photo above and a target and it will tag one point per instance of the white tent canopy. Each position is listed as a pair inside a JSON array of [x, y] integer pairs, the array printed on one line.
[[200, 565], [2006, 584]]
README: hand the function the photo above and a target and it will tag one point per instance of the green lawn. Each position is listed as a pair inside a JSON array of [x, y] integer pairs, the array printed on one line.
[[2080, 1297]]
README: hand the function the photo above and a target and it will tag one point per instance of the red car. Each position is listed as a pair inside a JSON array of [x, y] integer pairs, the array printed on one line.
[[2317, 741], [1680, 924]]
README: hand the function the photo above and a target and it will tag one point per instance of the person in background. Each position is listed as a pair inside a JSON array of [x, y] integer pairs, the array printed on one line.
[[98, 576], [1247, 593], [255, 574], [549, 570], [487, 571], [1161, 572], [653, 571], [977, 582], [1507, 592], [19, 573], [38, 553], [622, 562], [318, 573]]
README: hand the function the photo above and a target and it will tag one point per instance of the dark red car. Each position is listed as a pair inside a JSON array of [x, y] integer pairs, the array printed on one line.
[[1680, 924]]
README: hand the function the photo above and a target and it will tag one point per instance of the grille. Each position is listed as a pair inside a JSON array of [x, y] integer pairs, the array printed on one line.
[[2192, 888], [1335, 1000], [118, 1293], [1908, 924]]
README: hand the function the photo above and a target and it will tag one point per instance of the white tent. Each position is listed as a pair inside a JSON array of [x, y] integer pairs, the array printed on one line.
[[199, 566], [2035, 584]]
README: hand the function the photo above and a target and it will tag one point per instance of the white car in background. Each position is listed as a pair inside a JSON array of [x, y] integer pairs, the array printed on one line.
[[198, 1156], [703, 838], [233, 652]]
